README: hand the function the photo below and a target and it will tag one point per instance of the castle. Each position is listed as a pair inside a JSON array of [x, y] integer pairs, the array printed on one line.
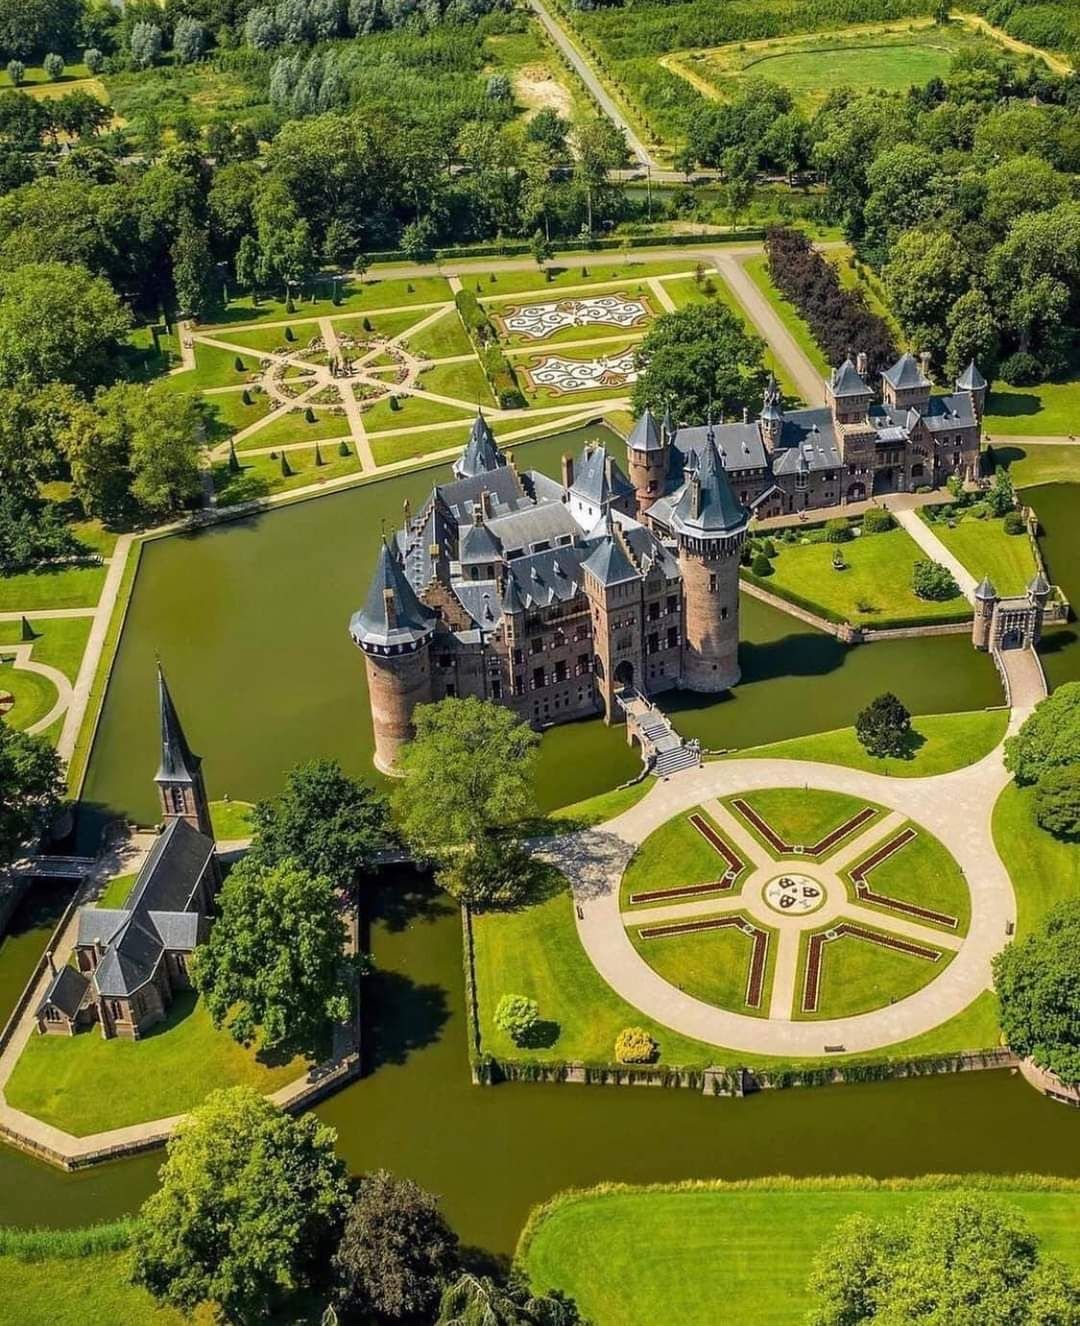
[[130, 960], [553, 597]]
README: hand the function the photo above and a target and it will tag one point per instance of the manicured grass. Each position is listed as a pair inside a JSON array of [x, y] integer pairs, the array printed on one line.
[[711, 965], [52, 587], [801, 815], [464, 382], [115, 893], [1050, 408], [1044, 870], [34, 695], [261, 476], [536, 952], [974, 1028], [60, 641], [384, 325], [666, 1254], [858, 976], [228, 413], [923, 871], [1031, 465], [940, 743], [214, 367], [85, 1084], [447, 336], [294, 427], [674, 855], [73, 1291], [598, 809], [985, 549], [509, 282], [873, 590], [273, 340], [758, 271], [231, 819], [407, 445], [412, 412], [374, 292]]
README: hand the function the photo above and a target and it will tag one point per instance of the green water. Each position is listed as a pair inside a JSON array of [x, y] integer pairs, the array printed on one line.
[[1058, 506], [25, 937]]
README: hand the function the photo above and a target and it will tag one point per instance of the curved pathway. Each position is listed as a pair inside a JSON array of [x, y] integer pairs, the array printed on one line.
[[20, 654], [956, 807]]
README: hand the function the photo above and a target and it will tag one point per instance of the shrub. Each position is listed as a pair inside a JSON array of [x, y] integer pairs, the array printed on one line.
[[1002, 496], [286, 468], [517, 1015], [877, 521], [1057, 801], [768, 548], [239, 364], [309, 415], [343, 449], [1013, 523], [838, 530], [16, 72], [884, 726], [290, 335], [93, 59], [634, 1045], [53, 65], [760, 565], [932, 581], [1021, 370]]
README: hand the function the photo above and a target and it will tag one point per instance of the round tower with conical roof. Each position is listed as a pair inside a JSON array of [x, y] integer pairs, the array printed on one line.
[[986, 599], [772, 415], [394, 630], [709, 525], [647, 452]]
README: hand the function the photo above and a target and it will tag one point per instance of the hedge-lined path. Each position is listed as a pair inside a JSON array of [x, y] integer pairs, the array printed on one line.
[[955, 807], [929, 542]]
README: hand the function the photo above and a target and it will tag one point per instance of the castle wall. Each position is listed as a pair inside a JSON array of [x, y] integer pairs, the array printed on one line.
[[396, 685], [711, 592]]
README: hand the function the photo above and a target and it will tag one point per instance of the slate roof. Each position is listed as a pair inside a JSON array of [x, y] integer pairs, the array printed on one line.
[[971, 379], [591, 481], [481, 455], [178, 763], [547, 577], [502, 484], [66, 991], [846, 381], [609, 563], [435, 528], [98, 925], [906, 373], [645, 434], [740, 446], [719, 511], [985, 590], [548, 523], [478, 545], [371, 625]]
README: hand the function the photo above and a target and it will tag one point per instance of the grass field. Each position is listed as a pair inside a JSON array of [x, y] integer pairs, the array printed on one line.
[[295, 427], [985, 549], [228, 413], [874, 589], [1044, 870], [673, 855], [261, 476], [34, 695], [801, 815], [414, 412], [115, 893], [922, 872], [72, 1291], [858, 976], [711, 965], [51, 587], [273, 340], [465, 382], [444, 337], [231, 819], [1050, 408], [1030, 464], [375, 292], [84, 1084], [511, 282], [642, 1257], [59, 641], [940, 743], [758, 271]]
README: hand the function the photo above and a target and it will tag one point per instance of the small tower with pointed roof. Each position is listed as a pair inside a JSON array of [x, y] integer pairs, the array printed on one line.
[[709, 525], [986, 600], [648, 449], [976, 386], [481, 455], [179, 777], [612, 582], [772, 415], [1038, 592], [394, 630]]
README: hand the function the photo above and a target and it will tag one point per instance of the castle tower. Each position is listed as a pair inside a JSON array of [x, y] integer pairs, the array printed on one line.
[[613, 587], [973, 382], [1038, 593], [647, 451], [481, 454], [772, 415], [906, 384], [179, 777], [986, 599], [394, 630], [709, 525], [846, 392]]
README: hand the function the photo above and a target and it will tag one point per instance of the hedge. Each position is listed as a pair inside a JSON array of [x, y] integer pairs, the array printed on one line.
[[496, 366], [520, 248]]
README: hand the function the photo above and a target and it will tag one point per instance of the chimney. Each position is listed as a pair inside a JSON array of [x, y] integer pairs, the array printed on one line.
[[924, 362], [609, 469], [390, 605], [52, 964], [407, 509], [567, 470], [484, 506], [861, 364], [695, 498], [745, 415]]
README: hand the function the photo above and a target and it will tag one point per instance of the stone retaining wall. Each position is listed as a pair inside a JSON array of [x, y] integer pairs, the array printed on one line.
[[1049, 1083]]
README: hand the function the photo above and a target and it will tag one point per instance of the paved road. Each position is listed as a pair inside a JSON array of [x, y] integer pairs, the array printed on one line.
[[596, 88]]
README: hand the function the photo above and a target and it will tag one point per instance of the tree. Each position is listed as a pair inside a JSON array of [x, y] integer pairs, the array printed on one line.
[[53, 65], [31, 785], [884, 727], [322, 817], [494, 873], [194, 270], [466, 777], [965, 1258], [1049, 738], [274, 963], [517, 1015], [931, 580], [601, 147], [1037, 980], [57, 322], [16, 72], [1056, 803], [1001, 497], [189, 39], [249, 1199], [699, 356], [396, 1250], [145, 44], [973, 334], [93, 59], [477, 1300], [541, 248]]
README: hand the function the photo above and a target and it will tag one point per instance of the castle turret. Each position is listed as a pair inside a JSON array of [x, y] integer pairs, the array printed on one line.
[[772, 415], [973, 382], [846, 392], [647, 451], [1039, 593], [394, 630], [179, 777], [709, 525], [612, 582], [481, 455], [986, 599]]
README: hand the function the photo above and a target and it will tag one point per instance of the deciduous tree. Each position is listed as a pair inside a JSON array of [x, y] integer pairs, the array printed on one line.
[[1049, 738], [884, 727], [31, 785], [1038, 985]]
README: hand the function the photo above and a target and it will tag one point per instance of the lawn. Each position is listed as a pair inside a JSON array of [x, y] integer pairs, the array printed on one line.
[[1044, 870], [444, 337], [295, 427], [922, 872], [758, 271], [711, 965], [940, 743], [85, 1084], [985, 549], [1050, 409], [858, 976], [272, 340], [801, 815], [598, 809], [645, 1256], [229, 413], [261, 476], [408, 445], [383, 325], [34, 695], [115, 893], [214, 367], [507, 281], [674, 855], [465, 382], [413, 412], [873, 590], [73, 1291], [58, 641], [374, 292], [51, 587], [1030, 466], [231, 819]]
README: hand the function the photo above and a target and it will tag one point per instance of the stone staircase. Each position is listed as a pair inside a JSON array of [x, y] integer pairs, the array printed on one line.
[[660, 743]]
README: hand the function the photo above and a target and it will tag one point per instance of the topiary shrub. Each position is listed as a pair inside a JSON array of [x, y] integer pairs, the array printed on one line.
[[934, 582], [286, 468], [877, 521], [760, 565], [634, 1045], [517, 1015], [1013, 523], [838, 530], [343, 449], [1021, 370], [290, 335], [309, 415], [239, 364], [768, 548], [367, 324]]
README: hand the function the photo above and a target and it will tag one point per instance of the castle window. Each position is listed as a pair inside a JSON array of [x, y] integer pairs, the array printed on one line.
[[496, 689], [672, 636], [653, 485], [536, 645], [723, 614], [654, 642], [560, 670], [445, 661], [538, 678], [712, 584], [177, 796], [672, 602], [519, 686], [654, 611], [451, 691]]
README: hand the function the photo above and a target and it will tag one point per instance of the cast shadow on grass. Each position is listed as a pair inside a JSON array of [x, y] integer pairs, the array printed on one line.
[[1057, 639], [541, 1036], [1014, 405], [913, 743], [407, 1017]]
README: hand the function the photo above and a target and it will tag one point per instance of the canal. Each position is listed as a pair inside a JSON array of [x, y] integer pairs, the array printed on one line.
[[249, 620]]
